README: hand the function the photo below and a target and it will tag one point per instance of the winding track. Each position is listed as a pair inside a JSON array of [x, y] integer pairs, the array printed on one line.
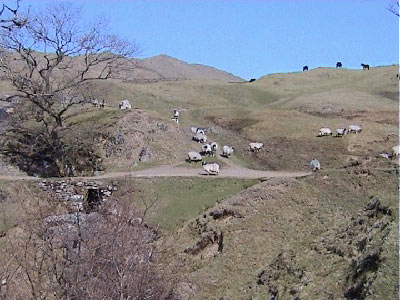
[[230, 171]]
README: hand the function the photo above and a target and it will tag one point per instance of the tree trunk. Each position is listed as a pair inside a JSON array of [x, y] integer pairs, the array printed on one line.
[[59, 121]]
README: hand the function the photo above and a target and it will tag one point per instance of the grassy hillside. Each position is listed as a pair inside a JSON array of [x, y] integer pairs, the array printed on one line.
[[284, 111], [188, 198], [311, 238], [303, 217]]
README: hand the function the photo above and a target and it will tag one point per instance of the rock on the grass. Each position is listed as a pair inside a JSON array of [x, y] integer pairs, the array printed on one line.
[[145, 154]]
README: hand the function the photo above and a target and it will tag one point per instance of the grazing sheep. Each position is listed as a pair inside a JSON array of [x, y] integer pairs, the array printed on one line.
[[194, 156], [211, 168], [193, 130], [200, 137], [315, 165], [354, 129], [214, 146], [324, 131], [125, 104], [95, 102], [395, 151], [384, 155], [196, 130], [227, 151], [175, 116], [305, 68], [102, 103], [255, 147], [207, 149], [341, 132]]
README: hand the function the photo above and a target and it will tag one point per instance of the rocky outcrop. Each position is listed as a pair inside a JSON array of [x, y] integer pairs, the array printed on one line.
[[369, 231], [135, 138], [211, 238], [223, 213], [354, 251], [359, 241], [145, 154], [283, 278]]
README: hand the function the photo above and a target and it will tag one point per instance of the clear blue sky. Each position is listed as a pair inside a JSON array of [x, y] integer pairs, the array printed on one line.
[[255, 38]]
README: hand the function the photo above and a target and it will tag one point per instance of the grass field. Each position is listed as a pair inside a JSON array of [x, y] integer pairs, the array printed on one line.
[[290, 215], [285, 112], [179, 199]]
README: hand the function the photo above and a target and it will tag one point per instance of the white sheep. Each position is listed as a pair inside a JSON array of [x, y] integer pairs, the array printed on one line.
[[206, 149], [255, 147], [175, 116], [341, 132], [211, 168], [315, 165], [196, 130], [395, 151], [194, 156], [227, 151], [384, 155], [125, 104], [214, 147], [200, 137], [95, 102], [354, 129], [193, 130], [324, 131]]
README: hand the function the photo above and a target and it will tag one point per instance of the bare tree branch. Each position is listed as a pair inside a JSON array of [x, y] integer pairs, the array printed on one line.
[[148, 204], [9, 17], [103, 255], [394, 7]]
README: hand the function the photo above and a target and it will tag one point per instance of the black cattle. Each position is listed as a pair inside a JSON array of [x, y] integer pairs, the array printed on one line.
[[365, 67], [251, 80], [305, 68], [338, 64]]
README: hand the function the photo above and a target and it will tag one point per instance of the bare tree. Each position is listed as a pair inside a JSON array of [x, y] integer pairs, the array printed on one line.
[[71, 54], [104, 255], [394, 7], [49, 60]]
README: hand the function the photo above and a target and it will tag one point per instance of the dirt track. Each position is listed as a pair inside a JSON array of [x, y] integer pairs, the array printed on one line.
[[171, 171], [231, 170]]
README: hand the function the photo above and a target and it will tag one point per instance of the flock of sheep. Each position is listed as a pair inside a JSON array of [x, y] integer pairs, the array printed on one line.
[[315, 165], [340, 132], [210, 149]]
